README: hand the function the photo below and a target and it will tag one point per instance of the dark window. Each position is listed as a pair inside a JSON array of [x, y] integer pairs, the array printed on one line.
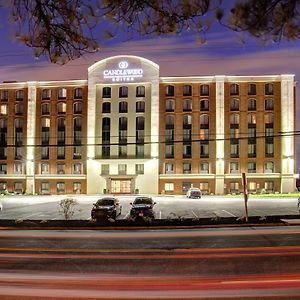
[[204, 90], [234, 89], [123, 107], [187, 90], [106, 107], [269, 89], [251, 89], [106, 92], [140, 91], [140, 106], [169, 90], [78, 93], [123, 92]]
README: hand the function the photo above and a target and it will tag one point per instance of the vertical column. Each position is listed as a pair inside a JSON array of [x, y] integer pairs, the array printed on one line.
[[287, 130], [31, 141], [219, 183]]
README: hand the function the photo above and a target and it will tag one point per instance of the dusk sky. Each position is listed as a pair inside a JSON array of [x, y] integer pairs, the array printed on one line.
[[222, 54]]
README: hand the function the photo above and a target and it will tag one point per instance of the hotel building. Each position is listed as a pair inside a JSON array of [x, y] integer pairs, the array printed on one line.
[[127, 130]]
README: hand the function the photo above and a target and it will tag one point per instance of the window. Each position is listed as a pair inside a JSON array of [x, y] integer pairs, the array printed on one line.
[[204, 90], [234, 119], [46, 94], [77, 168], [204, 134], [62, 93], [251, 119], [269, 118], [18, 187], [3, 109], [169, 135], [204, 168], [60, 168], [187, 168], [61, 107], [170, 105], [269, 104], [204, 150], [77, 187], [78, 93], [169, 90], [234, 150], [187, 105], [3, 186], [106, 107], [45, 122], [77, 152], [251, 104], [169, 187], [234, 104], [251, 150], [44, 168], [122, 169], [140, 91], [186, 186], [169, 168], [19, 95], [140, 151], [61, 152], [18, 168], [45, 188], [187, 90], [169, 121], [187, 150], [187, 121], [251, 89], [105, 169], [251, 167], [204, 121], [45, 152], [106, 92], [234, 89], [269, 186], [139, 169], [45, 109], [123, 92], [77, 108], [187, 134], [3, 169], [269, 132], [140, 106], [122, 151], [61, 123], [123, 107], [60, 187], [204, 187], [234, 187], [269, 149], [269, 89], [19, 109], [234, 167], [252, 186], [251, 132], [3, 95], [269, 167], [204, 105], [77, 122], [169, 151]]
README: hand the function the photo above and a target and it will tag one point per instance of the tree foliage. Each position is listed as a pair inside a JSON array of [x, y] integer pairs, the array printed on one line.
[[64, 29]]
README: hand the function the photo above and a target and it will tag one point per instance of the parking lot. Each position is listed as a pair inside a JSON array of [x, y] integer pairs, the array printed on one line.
[[167, 207]]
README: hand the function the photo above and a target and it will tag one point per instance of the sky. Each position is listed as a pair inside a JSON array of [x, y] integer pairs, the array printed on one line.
[[222, 54]]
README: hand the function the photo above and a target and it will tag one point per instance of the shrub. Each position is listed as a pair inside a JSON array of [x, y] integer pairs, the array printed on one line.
[[67, 207]]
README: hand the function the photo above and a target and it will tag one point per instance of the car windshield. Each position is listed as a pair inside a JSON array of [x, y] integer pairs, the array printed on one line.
[[143, 201], [102, 202]]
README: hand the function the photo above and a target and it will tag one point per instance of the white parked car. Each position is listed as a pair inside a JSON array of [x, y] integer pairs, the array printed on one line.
[[194, 193]]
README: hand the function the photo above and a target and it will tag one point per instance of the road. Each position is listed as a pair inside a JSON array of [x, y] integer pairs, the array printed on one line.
[[47, 207], [220, 263]]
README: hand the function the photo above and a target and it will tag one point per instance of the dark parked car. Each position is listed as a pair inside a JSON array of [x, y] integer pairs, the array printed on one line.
[[142, 208], [106, 208]]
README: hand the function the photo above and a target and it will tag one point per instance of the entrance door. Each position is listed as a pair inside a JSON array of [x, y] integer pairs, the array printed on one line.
[[121, 186]]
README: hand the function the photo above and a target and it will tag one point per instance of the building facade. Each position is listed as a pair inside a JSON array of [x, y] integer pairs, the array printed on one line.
[[127, 130]]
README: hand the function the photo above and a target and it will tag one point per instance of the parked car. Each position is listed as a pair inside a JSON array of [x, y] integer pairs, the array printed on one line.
[[142, 207], [194, 193], [106, 208]]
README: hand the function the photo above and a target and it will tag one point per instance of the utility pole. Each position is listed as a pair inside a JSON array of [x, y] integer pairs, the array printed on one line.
[[244, 180]]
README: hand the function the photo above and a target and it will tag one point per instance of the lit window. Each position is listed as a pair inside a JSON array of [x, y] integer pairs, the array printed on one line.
[[269, 167], [251, 118], [77, 168], [44, 168], [269, 186], [3, 109], [169, 168], [269, 118], [234, 167], [62, 93], [18, 168], [61, 107], [45, 122], [77, 187], [60, 168], [169, 187], [204, 168], [234, 187]]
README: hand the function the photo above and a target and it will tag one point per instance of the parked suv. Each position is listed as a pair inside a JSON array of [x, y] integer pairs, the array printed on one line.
[[106, 208], [142, 208], [194, 193]]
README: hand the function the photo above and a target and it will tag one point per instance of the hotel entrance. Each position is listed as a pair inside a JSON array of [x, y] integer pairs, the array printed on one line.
[[121, 186]]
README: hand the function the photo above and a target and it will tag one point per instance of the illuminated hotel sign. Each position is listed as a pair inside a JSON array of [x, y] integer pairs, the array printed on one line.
[[123, 73]]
